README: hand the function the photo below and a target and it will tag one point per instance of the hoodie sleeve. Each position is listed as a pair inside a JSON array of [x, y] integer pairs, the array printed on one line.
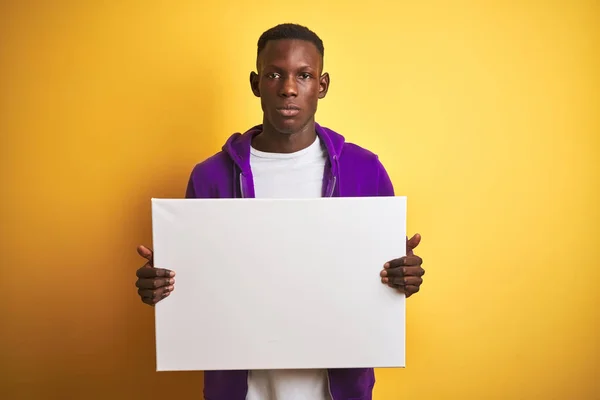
[[384, 183], [190, 192], [211, 178]]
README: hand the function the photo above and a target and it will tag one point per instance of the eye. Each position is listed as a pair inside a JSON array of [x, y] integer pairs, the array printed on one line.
[[273, 75], [305, 75]]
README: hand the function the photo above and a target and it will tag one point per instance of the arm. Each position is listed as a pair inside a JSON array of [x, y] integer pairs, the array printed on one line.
[[385, 187], [404, 273]]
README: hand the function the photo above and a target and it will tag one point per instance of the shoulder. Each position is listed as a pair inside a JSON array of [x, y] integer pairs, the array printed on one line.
[[362, 172], [358, 153], [212, 177], [359, 157], [214, 165]]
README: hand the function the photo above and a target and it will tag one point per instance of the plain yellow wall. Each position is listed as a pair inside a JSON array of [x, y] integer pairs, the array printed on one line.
[[486, 115]]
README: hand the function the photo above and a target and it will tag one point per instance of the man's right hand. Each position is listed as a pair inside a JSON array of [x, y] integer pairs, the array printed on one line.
[[154, 284]]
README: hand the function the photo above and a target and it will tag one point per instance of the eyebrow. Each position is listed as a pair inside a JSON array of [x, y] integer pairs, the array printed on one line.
[[280, 69]]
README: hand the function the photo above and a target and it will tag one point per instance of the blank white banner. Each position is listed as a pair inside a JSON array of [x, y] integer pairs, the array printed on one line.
[[279, 284]]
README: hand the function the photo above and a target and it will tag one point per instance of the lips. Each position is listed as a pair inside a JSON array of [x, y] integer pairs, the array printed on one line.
[[288, 110]]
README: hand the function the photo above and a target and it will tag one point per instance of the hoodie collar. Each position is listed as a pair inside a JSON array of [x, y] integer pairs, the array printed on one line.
[[238, 146]]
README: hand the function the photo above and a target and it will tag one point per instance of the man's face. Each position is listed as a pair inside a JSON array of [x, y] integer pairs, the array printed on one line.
[[289, 84]]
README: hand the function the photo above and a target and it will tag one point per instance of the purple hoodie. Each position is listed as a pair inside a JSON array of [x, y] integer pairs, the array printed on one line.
[[351, 171]]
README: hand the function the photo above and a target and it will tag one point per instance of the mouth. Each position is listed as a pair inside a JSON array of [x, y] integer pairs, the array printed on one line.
[[289, 110]]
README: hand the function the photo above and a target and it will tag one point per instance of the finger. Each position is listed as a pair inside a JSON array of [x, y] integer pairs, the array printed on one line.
[[148, 293], [413, 271], [154, 293], [404, 261], [412, 243], [149, 272], [154, 283], [402, 282], [146, 253], [148, 301], [392, 272], [391, 283], [406, 281], [409, 290], [153, 300], [396, 286], [402, 271]]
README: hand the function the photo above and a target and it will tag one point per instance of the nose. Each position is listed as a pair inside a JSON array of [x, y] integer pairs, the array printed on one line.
[[289, 87]]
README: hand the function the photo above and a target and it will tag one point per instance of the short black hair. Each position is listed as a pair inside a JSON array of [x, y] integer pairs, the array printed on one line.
[[290, 31]]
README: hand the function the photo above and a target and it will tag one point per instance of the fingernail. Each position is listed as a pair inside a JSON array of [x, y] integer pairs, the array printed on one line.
[[386, 265], [170, 288], [385, 280], [383, 273]]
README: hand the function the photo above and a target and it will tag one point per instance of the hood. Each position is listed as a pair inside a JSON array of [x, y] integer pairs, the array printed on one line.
[[238, 145]]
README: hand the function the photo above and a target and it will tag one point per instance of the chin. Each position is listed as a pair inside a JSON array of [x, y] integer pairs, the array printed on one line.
[[285, 130], [288, 127]]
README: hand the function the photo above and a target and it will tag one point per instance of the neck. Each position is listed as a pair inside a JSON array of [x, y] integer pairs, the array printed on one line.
[[272, 141]]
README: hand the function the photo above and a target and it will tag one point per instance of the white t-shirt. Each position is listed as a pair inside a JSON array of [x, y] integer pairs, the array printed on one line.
[[293, 175]]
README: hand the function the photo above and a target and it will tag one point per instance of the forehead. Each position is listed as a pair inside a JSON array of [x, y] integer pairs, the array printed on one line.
[[290, 53]]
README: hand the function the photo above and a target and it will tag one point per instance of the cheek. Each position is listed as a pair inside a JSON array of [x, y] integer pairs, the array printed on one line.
[[268, 91], [311, 94], [266, 96]]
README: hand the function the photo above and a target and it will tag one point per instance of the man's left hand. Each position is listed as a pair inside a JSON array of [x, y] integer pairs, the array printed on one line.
[[405, 273]]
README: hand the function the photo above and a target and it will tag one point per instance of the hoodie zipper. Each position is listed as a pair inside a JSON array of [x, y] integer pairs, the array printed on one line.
[[242, 186], [331, 187], [333, 179]]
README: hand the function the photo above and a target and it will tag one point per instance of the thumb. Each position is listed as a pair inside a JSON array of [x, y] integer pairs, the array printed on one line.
[[412, 243], [147, 254]]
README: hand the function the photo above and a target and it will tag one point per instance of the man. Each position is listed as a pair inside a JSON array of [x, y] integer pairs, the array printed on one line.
[[289, 155]]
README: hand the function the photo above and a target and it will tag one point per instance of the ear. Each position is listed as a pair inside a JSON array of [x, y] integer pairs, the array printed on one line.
[[323, 85], [254, 83]]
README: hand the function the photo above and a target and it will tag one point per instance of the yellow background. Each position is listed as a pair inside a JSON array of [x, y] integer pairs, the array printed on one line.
[[486, 115]]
